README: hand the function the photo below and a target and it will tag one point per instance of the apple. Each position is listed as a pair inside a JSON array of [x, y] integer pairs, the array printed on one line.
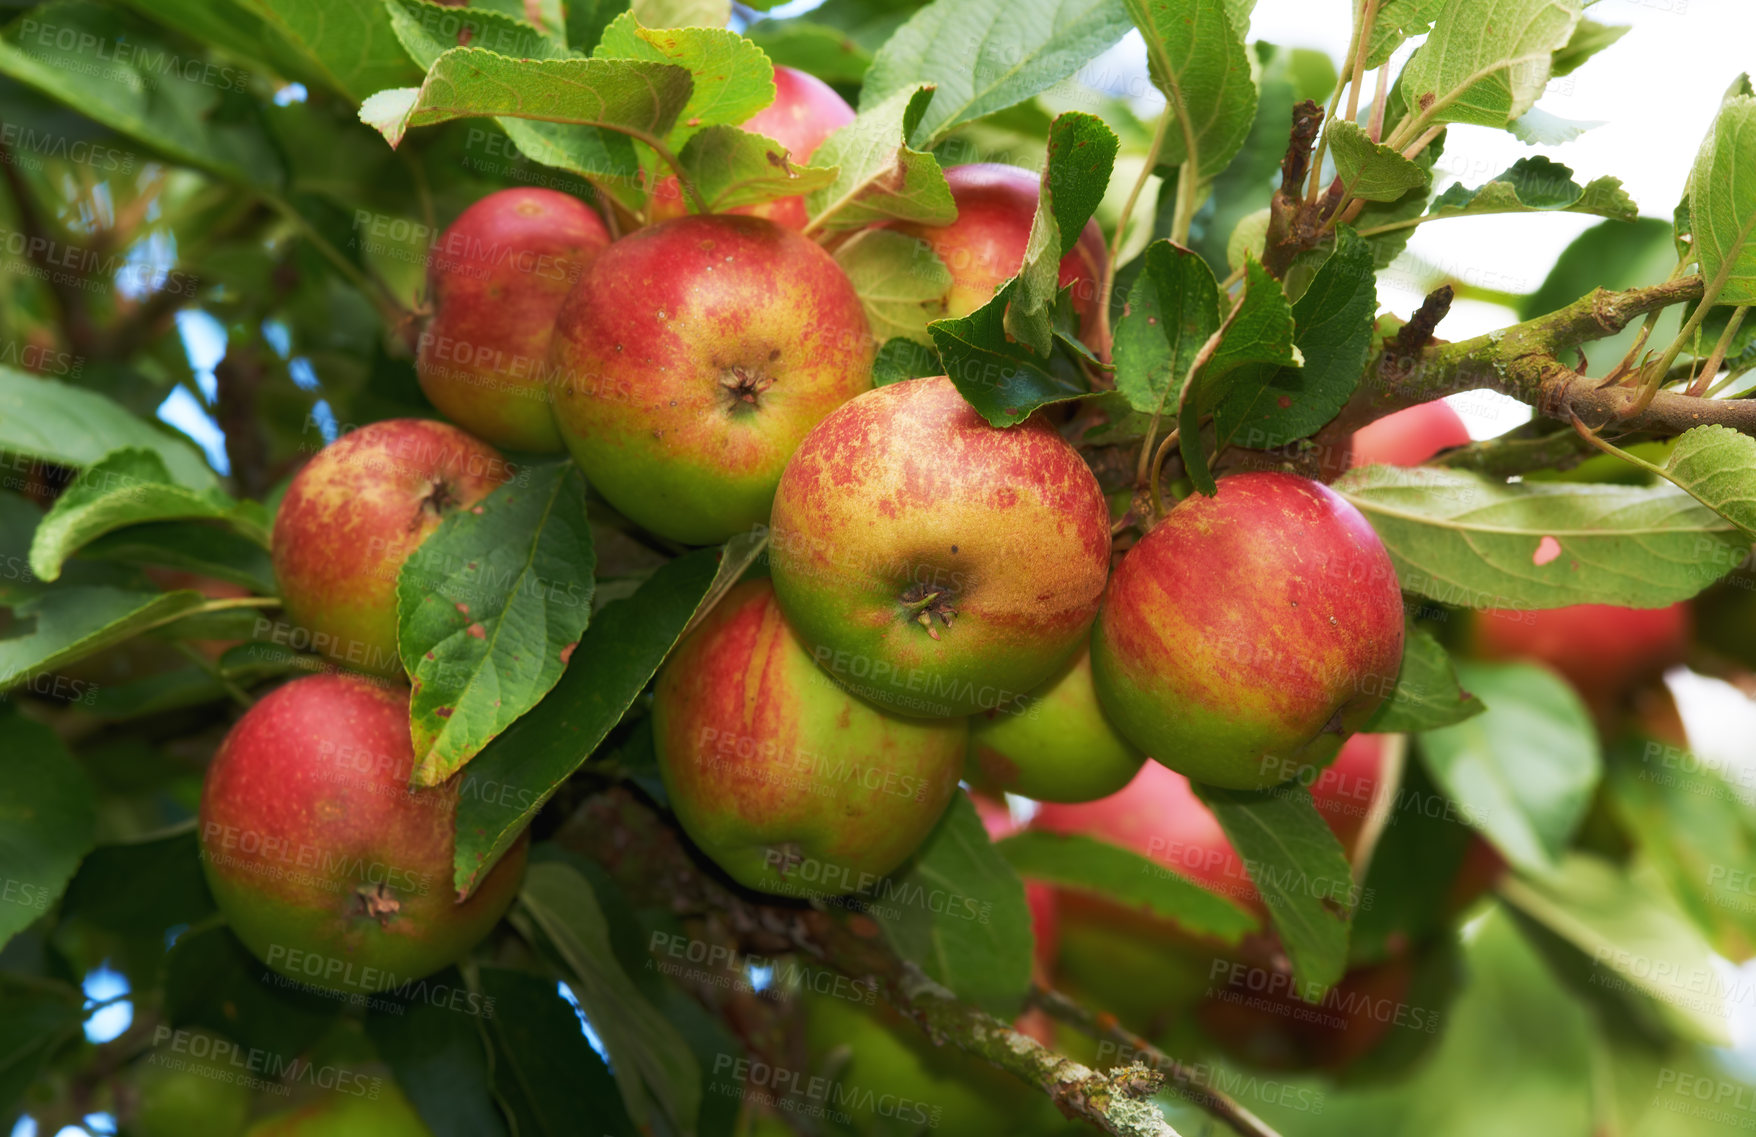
[[388, 1114], [985, 246], [786, 781], [1604, 651], [496, 281], [1055, 745], [1248, 634], [354, 514], [1406, 438], [933, 563], [183, 1090], [1254, 1015], [328, 867], [805, 111], [692, 359]]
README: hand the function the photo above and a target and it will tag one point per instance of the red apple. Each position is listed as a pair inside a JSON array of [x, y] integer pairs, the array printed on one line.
[[691, 361], [984, 247], [1257, 1015], [351, 518], [1248, 634], [1406, 438], [785, 780], [933, 563], [496, 280], [805, 111], [1055, 745], [328, 867], [1604, 651]]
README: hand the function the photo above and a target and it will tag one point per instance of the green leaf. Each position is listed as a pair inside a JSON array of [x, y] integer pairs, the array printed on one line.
[[126, 488], [206, 550], [212, 981], [958, 910], [1171, 310], [1487, 61], [37, 1018], [1534, 184], [105, 895], [826, 52], [1386, 225], [1589, 38], [1722, 201], [1717, 467], [436, 1053], [1333, 331], [880, 177], [652, 1063], [1399, 21], [1300, 870], [1523, 770], [48, 818], [1372, 170], [72, 623], [1076, 172], [731, 168], [1124, 877], [685, 13], [1196, 57], [505, 785], [41, 418], [1002, 379], [348, 42], [1427, 694], [1461, 538], [426, 30], [629, 96], [1641, 941], [1537, 127], [732, 79], [139, 88], [901, 359], [544, 1069], [489, 608], [900, 280], [1252, 343], [987, 55], [587, 19]]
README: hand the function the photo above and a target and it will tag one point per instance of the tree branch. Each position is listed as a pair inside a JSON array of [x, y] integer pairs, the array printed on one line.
[[648, 859]]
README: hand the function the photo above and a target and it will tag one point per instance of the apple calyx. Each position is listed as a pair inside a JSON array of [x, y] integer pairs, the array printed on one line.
[[441, 499], [925, 602], [745, 385], [378, 902]]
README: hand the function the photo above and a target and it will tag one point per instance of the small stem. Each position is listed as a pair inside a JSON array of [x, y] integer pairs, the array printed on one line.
[[1347, 68], [1158, 463], [237, 693], [1367, 18], [1426, 139], [390, 309], [1711, 367], [1376, 129], [1152, 153]]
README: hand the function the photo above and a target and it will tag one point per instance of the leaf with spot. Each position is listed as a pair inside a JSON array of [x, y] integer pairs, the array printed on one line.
[[507, 783], [1172, 309], [987, 55], [730, 77], [730, 168], [634, 97], [1486, 61], [1461, 538], [1003, 380], [900, 280], [1253, 341], [1082, 151], [1524, 770], [958, 910], [879, 176], [1427, 694], [1300, 870], [1332, 324], [489, 608], [1195, 54]]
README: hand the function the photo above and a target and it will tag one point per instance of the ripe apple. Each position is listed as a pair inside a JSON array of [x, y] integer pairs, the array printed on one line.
[[785, 780], [1055, 745], [984, 247], [496, 280], [389, 1114], [805, 111], [692, 359], [1255, 1015], [1406, 438], [933, 563], [327, 865], [351, 518], [1249, 633], [183, 1090], [1604, 651]]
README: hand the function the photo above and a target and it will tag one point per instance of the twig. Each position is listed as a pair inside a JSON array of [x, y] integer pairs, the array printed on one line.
[[1152, 153], [1188, 1082]]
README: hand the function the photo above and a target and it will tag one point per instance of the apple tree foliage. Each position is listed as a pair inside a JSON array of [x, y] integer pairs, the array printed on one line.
[[267, 178]]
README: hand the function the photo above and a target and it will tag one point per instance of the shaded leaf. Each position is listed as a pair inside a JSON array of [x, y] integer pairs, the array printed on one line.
[[73, 622], [900, 280], [731, 168], [1002, 379], [544, 1069], [1196, 56], [879, 176], [46, 419], [1372, 170], [1427, 693], [1076, 172], [48, 818]]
